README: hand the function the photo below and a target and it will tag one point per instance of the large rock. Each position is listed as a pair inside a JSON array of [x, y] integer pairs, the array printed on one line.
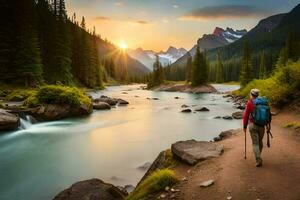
[[93, 189], [238, 115], [110, 101], [8, 121], [101, 106], [226, 134], [192, 151], [54, 111], [174, 87]]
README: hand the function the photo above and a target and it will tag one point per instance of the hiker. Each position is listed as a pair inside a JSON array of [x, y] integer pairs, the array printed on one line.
[[258, 113]]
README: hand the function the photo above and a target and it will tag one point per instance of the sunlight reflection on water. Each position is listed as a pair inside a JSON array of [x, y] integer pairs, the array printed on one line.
[[46, 158]]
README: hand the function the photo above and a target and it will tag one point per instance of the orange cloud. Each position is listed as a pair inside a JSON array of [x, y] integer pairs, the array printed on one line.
[[225, 11], [102, 18]]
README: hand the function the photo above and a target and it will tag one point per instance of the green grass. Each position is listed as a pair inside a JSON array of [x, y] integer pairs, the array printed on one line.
[[169, 159], [20, 94], [293, 125], [2, 105], [57, 94], [156, 182], [281, 88]]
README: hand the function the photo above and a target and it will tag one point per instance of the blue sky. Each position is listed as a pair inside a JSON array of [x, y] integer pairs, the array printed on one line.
[[157, 24]]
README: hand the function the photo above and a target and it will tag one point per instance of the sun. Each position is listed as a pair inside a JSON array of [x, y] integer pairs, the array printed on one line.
[[123, 45]]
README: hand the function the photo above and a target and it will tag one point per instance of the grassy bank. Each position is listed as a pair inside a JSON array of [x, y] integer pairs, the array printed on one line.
[[156, 182], [281, 88]]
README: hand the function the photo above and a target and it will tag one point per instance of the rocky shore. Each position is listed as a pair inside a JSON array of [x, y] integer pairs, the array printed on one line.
[[174, 87], [12, 112]]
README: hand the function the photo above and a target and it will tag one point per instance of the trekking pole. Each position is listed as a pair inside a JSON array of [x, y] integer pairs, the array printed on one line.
[[245, 157]]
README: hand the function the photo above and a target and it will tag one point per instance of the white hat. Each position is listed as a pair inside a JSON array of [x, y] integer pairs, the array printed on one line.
[[254, 92]]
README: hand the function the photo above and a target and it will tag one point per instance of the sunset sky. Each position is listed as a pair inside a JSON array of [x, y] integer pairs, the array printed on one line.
[[157, 24]]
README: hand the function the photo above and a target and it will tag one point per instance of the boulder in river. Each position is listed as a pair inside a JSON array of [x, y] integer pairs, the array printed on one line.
[[101, 106], [8, 121], [202, 109], [122, 102], [93, 189], [238, 115], [108, 100], [186, 110], [227, 117], [55, 111], [192, 151]]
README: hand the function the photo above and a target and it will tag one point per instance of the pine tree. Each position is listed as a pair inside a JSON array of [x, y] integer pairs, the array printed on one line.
[[27, 58], [7, 41], [157, 75], [219, 69], [189, 67], [262, 66], [200, 69], [246, 72]]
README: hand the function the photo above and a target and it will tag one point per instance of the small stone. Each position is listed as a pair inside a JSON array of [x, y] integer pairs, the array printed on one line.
[[228, 117], [207, 183], [217, 117], [184, 106], [176, 97], [155, 98], [184, 179], [203, 109], [163, 196], [167, 188], [229, 197], [186, 110]]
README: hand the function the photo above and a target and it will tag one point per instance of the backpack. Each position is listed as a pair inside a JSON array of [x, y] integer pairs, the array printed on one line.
[[262, 112]]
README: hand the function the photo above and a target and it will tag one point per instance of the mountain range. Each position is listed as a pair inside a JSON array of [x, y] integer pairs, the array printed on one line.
[[147, 57], [220, 37]]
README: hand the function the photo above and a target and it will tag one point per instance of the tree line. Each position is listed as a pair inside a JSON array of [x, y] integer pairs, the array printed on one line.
[[252, 65], [196, 71], [40, 44]]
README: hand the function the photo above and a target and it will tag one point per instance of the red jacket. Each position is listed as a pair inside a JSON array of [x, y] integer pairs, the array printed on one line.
[[249, 109]]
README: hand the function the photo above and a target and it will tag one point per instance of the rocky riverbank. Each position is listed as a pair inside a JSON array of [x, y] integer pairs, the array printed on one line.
[[174, 87]]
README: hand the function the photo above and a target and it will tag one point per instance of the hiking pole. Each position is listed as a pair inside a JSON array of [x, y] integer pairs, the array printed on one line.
[[245, 157]]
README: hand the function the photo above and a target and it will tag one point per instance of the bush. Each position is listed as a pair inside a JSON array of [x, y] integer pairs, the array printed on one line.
[[20, 94], [56, 94], [293, 125], [281, 88], [2, 105], [156, 182]]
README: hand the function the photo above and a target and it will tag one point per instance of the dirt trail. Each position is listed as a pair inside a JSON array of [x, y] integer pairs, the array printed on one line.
[[235, 177]]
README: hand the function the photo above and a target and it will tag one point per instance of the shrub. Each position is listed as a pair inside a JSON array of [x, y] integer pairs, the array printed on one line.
[[57, 94], [2, 105], [20, 94], [281, 88], [156, 182], [169, 159], [293, 125]]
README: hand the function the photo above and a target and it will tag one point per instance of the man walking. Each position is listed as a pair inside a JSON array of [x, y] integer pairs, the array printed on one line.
[[256, 107]]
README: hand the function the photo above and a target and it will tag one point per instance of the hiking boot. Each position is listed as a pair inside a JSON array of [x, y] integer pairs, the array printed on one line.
[[258, 163]]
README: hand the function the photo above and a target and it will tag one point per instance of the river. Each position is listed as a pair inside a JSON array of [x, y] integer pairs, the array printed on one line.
[[40, 160]]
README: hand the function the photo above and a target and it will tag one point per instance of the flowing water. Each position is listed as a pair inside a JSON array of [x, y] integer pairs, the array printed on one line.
[[40, 160]]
